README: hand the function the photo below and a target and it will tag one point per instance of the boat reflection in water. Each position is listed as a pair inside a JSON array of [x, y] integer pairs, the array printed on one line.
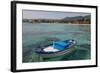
[[57, 48]]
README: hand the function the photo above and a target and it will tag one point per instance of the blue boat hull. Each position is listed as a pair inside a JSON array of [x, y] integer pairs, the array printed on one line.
[[44, 54]]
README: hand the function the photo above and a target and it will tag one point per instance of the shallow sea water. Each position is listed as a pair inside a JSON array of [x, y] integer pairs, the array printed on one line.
[[37, 34]]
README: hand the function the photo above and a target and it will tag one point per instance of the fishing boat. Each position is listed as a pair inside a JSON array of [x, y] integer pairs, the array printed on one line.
[[57, 48]]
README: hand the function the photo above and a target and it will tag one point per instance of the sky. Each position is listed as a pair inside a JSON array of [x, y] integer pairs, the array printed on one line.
[[34, 14]]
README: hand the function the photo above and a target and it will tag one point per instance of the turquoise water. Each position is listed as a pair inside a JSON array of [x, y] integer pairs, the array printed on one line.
[[42, 33]]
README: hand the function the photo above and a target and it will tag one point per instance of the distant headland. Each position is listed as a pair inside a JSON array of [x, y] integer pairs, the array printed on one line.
[[73, 20]]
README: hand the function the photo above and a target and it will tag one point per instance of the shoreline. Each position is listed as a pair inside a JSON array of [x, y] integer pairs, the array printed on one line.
[[57, 23]]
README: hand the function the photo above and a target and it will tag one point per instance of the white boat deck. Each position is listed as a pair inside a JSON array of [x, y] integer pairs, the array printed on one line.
[[50, 49]]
